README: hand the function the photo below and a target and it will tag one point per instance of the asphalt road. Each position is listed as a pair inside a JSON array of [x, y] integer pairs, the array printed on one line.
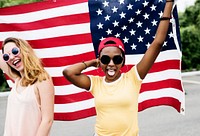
[[157, 121]]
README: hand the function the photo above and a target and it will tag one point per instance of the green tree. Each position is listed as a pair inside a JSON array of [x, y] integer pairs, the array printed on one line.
[[190, 37], [7, 3]]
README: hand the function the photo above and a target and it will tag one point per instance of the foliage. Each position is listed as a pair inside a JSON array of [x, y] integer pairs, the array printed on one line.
[[191, 48], [190, 37], [7, 3]]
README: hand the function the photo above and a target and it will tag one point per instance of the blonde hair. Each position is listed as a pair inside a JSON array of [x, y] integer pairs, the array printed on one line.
[[33, 68]]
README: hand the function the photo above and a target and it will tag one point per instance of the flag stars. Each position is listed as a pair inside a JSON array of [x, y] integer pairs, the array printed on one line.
[[132, 32], [102, 38], [124, 27], [99, 12], [165, 43], [121, 2], [122, 15], [125, 39], [145, 3], [100, 25], [160, 14], [140, 39], [153, 8], [146, 16], [115, 23], [139, 24], [171, 35], [148, 45], [105, 4], [147, 31], [107, 18], [130, 7], [154, 22], [114, 9], [138, 12], [117, 35], [131, 20], [133, 46], [109, 31]]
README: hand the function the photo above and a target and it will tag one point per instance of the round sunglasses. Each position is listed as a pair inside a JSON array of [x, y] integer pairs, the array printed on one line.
[[15, 51], [117, 59]]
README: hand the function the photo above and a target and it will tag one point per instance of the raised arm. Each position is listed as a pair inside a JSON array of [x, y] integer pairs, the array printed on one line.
[[151, 54], [74, 73]]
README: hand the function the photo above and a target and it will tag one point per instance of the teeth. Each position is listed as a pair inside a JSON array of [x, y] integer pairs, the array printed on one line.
[[111, 72], [15, 62]]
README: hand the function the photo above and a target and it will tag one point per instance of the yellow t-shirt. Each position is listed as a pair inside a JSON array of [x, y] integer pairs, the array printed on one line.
[[117, 104]]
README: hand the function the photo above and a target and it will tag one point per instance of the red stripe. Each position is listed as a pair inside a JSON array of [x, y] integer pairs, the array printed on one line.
[[169, 83], [63, 41], [164, 65], [168, 101], [75, 115], [63, 99], [37, 6], [46, 23]]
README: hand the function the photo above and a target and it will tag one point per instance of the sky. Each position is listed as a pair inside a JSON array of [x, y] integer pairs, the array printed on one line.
[[182, 4]]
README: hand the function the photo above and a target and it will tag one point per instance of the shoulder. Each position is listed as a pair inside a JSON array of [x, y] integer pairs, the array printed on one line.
[[133, 73], [44, 85]]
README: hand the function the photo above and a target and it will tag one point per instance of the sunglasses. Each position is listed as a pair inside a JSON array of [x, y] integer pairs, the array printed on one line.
[[15, 51], [117, 59]]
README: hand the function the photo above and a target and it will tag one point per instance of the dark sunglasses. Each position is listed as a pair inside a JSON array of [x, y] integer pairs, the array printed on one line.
[[15, 51], [117, 59]]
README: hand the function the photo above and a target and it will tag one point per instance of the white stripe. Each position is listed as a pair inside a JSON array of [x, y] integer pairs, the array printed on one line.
[[48, 32], [167, 92], [163, 75], [45, 14], [63, 51], [67, 90], [57, 71], [72, 107], [164, 55]]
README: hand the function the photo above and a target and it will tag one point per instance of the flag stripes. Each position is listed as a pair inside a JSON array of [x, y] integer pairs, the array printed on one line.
[[60, 34]]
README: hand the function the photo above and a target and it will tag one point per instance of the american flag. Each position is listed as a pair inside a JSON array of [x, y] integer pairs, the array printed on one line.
[[64, 32]]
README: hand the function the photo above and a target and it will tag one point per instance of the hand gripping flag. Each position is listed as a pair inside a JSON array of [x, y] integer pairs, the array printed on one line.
[[66, 32]]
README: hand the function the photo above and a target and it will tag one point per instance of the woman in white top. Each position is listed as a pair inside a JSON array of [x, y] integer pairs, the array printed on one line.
[[30, 106]]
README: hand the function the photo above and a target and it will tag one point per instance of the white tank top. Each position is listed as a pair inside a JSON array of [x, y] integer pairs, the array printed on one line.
[[23, 115]]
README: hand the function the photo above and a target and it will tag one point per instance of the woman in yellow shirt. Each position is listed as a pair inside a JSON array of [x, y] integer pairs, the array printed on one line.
[[116, 94]]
